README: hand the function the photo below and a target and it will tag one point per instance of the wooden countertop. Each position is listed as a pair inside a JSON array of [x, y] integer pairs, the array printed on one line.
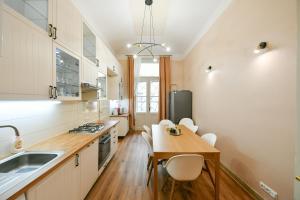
[[69, 143], [122, 115]]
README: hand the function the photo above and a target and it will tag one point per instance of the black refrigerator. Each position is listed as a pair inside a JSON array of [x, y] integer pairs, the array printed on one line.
[[180, 105]]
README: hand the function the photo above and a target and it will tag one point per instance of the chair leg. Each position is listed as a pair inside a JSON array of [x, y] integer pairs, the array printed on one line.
[[172, 189], [209, 173], [149, 176], [149, 162]]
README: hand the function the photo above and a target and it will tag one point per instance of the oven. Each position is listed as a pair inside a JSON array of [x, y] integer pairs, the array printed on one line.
[[104, 149]]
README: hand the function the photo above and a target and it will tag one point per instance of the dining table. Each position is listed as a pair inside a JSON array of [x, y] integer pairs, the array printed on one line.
[[166, 145]]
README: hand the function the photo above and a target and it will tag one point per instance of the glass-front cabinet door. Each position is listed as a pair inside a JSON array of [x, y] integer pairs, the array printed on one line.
[[89, 45], [37, 11], [102, 85], [67, 75]]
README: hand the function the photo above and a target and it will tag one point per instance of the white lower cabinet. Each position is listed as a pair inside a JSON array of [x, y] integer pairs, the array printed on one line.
[[73, 180], [122, 126], [114, 140], [63, 183], [88, 168]]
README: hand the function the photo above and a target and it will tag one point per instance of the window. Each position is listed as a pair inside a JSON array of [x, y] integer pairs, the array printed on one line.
[[147, 96], [141, 97], [154, 94], [149, 70]]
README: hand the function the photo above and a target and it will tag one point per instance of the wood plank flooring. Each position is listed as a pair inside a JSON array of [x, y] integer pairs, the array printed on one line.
[[126, 175]]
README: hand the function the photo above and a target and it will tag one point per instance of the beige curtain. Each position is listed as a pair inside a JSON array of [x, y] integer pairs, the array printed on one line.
[[164, 78], [131, 92]]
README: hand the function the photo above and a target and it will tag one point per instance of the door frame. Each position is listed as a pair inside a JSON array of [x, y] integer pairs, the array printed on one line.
[[146, 114]]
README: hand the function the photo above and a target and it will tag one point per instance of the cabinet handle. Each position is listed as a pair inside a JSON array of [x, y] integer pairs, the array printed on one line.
[[97, 62], [77, 160], [50, 26], [50, 91], [54, 35], [55, 93]]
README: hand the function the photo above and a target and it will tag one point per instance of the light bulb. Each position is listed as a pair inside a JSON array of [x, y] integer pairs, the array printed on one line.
[[135, 56], [163, 44], [168, 49], [129, 45], [256, 51], [154, 59]]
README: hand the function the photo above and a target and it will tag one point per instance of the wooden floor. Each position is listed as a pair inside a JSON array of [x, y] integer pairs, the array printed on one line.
[[125, 178]]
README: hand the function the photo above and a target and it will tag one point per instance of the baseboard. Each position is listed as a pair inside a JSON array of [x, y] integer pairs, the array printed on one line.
[[241, 183]]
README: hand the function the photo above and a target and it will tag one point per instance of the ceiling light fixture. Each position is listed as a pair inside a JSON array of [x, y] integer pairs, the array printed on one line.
[[151, 44]]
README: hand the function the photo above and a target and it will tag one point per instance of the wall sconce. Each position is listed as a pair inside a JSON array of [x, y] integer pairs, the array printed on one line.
[[261, 48], [209, 69]]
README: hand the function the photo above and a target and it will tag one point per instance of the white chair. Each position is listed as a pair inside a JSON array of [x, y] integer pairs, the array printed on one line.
[[148, 139], [148, 130], [186, 167], [166, 122], [189, 124], [211, 139]]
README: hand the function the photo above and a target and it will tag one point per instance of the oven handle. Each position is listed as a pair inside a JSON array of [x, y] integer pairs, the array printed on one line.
[[105, 140]]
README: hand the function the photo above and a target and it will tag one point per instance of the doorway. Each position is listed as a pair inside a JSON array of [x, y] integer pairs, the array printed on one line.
[[147, 95]]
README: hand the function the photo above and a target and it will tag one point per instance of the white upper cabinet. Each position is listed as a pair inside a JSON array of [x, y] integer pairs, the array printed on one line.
[[66, 76], [67, 23], [38, 12], [89, 45], [26, 61]]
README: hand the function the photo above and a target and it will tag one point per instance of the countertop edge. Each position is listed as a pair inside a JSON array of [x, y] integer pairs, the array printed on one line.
[[65, 157]]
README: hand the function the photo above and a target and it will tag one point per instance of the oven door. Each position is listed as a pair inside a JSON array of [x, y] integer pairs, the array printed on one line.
[[104, 149]]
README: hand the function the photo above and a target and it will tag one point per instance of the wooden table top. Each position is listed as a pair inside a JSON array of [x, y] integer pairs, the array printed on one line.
[[187, 142]]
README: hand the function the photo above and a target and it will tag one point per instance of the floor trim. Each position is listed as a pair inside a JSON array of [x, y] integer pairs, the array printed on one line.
[[241, 183]]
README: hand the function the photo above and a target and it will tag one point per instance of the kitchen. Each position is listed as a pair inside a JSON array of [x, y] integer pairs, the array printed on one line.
[[148, 99]]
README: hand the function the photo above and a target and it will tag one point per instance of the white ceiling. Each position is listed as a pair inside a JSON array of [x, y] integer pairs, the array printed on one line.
[[178, 23]]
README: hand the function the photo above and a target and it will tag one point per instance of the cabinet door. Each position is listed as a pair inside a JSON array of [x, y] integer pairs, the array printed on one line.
[[90, 72], [26, 62], [89, 44], [88, 168], [38, 13], [66, 74], [63, 183], [68, 22]]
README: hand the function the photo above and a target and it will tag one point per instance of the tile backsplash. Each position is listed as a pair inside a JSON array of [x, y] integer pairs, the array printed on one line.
[[40, 120]]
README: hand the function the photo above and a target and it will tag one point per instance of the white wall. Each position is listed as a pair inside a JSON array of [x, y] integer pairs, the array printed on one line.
[[250, 100], [40, 120]]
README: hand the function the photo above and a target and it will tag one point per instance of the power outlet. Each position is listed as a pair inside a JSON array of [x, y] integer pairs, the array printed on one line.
[[268, 190]]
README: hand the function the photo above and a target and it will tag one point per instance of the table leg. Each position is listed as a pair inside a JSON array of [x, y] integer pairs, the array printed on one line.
[[155, 178], [217, 178]]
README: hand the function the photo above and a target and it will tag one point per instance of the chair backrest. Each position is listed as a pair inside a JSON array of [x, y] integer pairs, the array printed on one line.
[[186, 167], [189, 124], [166, 122], [148, 130], [210, 138], [148, 140], [186, 121]]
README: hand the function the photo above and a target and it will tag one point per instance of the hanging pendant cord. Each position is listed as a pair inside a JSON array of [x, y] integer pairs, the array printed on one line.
[[143, 24]]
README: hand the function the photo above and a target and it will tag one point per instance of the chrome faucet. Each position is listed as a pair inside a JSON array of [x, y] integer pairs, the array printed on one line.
[[10, 126]]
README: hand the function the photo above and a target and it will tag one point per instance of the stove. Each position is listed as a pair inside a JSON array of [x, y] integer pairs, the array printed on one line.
[[88, 128]]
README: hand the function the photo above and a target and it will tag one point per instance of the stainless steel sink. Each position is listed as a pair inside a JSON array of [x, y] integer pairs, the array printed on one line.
[[23, 165], [26, 162]]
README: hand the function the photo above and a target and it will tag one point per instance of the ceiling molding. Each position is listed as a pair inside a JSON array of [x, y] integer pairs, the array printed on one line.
[[218, 12]]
